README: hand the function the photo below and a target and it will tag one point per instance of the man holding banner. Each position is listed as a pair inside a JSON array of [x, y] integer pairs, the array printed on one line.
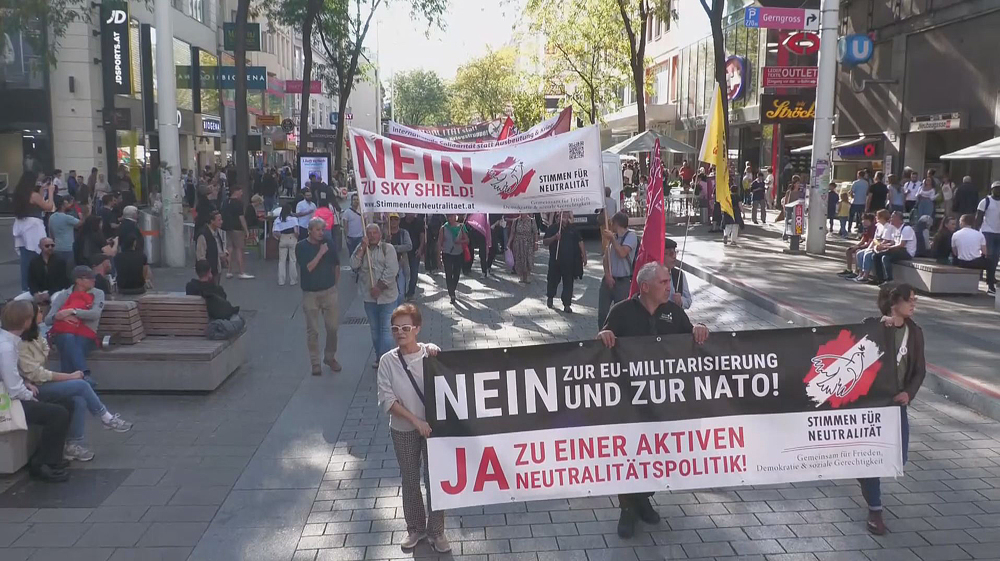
[[650, 312]]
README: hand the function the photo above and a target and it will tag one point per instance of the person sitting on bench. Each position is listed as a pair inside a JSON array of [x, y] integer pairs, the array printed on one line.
[[54, 387], [47, 463], [224, 318], [47, 272], [134, 275], [968, 245], [73, 318]]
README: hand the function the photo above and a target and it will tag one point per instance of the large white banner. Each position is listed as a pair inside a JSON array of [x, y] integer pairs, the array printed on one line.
[[562, 172], [550, 127], [663, 456]]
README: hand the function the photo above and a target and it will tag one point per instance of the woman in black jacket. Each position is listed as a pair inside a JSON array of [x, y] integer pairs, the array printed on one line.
[[897, 302]]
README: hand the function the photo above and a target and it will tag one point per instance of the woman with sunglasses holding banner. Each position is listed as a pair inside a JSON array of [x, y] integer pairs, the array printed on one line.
[[400, 393]]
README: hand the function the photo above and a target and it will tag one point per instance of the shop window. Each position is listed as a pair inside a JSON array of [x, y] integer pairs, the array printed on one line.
[[675, 63]]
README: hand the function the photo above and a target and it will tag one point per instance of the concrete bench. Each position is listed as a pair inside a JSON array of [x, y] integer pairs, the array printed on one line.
[[15, 449], [930, 277]]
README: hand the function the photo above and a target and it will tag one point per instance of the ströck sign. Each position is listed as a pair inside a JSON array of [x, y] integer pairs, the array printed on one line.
[[787, 108], [790, 76]]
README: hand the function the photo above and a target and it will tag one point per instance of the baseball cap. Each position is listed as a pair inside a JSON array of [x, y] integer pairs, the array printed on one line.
[[83, 272], [393, 215], [995, 185]]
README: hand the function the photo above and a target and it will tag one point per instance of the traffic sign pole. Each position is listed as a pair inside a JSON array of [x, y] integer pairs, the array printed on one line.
[[823, 128]]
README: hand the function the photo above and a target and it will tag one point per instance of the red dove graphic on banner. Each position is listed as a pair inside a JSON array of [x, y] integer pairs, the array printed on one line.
[[509, 178], [843, 370]]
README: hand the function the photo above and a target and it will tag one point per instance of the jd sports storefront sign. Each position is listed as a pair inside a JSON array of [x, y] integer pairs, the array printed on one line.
[[116, 45]]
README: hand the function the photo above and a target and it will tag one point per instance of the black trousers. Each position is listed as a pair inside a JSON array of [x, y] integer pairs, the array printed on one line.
[[629, 500], [411, 287], [452, 271], [53, 417], [560, 272], [477, 243]]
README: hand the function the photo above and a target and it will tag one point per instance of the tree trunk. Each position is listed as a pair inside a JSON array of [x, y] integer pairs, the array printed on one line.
[[307, 56], [242, 155], [718, 40], [338, 155]]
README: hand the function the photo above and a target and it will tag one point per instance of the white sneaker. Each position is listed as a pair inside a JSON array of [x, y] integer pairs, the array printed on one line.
[[246, 276], [77, 452], [412, 539], [117, 424], [229, 275]]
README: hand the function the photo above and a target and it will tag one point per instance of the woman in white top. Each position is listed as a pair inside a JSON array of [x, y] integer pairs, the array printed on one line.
[[925, 199], [947, 194], [286, 230], [400, 393], [28, 230]]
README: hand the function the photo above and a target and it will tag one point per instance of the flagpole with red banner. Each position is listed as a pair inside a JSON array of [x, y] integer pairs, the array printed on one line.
[[655, 232]]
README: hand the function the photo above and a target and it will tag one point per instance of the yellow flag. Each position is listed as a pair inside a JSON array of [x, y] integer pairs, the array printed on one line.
[[713, 151]]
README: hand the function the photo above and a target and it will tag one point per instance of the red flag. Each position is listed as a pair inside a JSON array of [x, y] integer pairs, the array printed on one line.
[[655, 232], [507, 130]]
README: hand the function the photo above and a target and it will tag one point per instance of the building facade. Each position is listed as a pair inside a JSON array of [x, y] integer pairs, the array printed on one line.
[[930, 88]]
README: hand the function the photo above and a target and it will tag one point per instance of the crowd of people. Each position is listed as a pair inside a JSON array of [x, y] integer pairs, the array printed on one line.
[[899, 218]]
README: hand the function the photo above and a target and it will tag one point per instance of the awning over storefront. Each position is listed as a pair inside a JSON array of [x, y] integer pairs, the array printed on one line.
[[841, 143], [644, 143], [626, 118], [987, 150]]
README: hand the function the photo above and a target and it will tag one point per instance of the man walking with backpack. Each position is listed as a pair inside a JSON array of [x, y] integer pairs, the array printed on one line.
[[988, 222], [618, 260]]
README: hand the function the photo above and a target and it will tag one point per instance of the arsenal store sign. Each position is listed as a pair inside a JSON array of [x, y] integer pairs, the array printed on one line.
[[780, 108], [655, 413], [562, 172], [116, 46], [790, 76]]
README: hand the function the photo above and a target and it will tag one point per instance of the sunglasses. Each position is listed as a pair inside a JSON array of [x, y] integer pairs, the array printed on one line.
[[403, 328]]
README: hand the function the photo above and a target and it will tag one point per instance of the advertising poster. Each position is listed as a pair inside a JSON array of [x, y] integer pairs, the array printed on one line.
[[318, 163]]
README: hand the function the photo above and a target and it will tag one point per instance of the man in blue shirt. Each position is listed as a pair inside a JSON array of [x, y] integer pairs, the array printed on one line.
[[859, 190], [319, 272]]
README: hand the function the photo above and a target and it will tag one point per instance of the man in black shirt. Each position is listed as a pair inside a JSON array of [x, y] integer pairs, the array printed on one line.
[[878, 194], [47, 272], [133, 269], [414, 225], [757, 189], [651, 312], [566, 255], [269, 190], [319, 271], [101, 264]]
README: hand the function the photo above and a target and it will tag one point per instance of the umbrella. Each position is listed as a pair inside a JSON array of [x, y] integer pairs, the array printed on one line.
[[987, 150], [644, 143]]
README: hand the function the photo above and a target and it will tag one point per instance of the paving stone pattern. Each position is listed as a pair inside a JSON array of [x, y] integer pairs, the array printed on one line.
[[942, 509], [278, 465]]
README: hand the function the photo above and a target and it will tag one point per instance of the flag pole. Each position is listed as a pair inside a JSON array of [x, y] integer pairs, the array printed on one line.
[[559, 241], [371, 272]]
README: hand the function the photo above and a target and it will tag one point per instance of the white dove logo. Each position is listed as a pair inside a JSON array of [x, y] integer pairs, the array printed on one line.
[[839, 377]]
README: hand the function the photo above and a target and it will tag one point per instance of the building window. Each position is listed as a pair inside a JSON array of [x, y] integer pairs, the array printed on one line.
[[649, 28], [675, 78]]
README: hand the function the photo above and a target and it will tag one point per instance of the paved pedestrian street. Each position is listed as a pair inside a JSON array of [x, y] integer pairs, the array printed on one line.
[[278, 465]]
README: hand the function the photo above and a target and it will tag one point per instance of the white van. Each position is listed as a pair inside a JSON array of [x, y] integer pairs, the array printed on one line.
[[612, 165]]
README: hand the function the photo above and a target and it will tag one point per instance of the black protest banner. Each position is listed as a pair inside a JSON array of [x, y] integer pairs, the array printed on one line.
[[654, 413]]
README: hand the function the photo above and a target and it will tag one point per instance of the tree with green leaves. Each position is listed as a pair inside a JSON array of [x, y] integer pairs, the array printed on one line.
[[635, 17], [489, 88], [54, 16], [303, 15], [420, 98], [343, 26], [588, 61]]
